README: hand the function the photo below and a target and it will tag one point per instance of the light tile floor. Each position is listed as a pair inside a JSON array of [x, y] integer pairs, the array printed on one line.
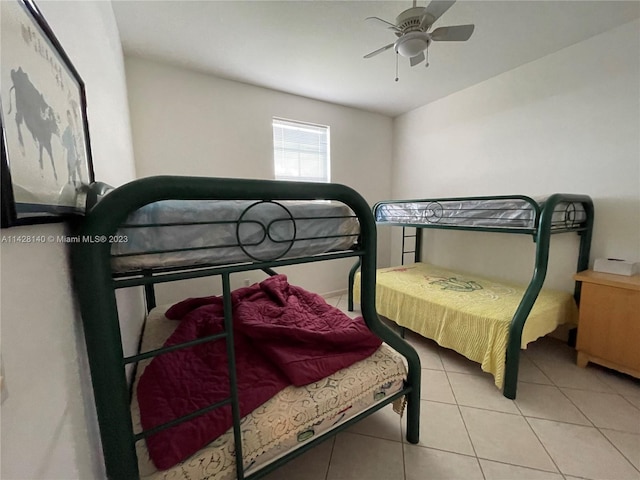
[[566, 423]]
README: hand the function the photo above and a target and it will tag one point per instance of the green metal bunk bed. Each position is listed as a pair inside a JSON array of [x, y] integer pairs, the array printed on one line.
[[517, 214], [96, 283]]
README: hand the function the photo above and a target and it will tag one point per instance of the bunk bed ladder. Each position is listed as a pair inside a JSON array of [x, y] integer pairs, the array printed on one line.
[[417, 257], [417, 244]]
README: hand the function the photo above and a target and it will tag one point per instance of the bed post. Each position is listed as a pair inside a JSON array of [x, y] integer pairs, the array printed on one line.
[[585, 245], [543, 238], [583, 261], [371, 318], [92, 278], [512, 360]]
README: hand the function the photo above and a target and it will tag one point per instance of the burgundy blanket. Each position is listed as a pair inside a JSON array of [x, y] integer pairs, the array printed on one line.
[[282, 335]]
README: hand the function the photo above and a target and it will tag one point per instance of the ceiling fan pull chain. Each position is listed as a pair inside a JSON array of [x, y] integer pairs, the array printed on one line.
[[426, 63], [396, 66]]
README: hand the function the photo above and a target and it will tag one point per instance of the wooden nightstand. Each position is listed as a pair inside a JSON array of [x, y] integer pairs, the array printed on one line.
[[609, 326]]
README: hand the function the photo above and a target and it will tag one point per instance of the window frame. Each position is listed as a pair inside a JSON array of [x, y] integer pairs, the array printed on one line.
[[283, 123]]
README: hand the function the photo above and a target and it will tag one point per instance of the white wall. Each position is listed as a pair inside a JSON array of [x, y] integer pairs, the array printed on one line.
[[189, 123], [48, 424], [569, 122]]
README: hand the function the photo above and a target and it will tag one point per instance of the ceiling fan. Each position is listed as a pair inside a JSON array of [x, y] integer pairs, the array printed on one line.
[[412, 29]]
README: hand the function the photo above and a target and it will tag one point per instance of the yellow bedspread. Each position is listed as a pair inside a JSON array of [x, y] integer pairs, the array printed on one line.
[[464, 312]]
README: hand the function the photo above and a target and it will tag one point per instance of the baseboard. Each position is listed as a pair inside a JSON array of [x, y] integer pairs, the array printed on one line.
[[335, 293]]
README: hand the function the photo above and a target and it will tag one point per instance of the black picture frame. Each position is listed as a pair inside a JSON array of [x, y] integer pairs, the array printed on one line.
[[46, 164]]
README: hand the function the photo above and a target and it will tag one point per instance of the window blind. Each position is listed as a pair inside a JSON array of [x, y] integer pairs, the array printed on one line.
[[300, 151]]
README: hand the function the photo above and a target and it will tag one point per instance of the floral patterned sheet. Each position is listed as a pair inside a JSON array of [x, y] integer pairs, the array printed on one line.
[[294, 416], [464, 312]]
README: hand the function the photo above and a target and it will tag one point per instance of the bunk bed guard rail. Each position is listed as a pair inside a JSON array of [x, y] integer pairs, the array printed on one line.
[[95, 285]]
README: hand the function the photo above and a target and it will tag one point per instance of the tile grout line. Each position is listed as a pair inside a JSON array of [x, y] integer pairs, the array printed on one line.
[[333, 445], [577, 407], [468, 455], [377, 438], [520, 414], [537, 366], [473, 447], [614, 445], [564, 422], [536, 433], [501, 462], [600, 375], [526, 419], [586, 369], [592, 424], [404, 464], [611, 391], [630, 403]]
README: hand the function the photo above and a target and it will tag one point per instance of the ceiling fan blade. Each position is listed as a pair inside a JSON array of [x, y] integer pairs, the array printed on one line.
[[457, 33], [424, 23], [417, 59], [379, 21], [380, 50], [437, 8]]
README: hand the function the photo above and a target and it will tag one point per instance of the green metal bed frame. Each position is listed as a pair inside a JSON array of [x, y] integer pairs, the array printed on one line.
[[541, 233], [96, 284]]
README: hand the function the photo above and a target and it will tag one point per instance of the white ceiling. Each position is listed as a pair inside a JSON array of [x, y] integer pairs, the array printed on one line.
[[316, 48]]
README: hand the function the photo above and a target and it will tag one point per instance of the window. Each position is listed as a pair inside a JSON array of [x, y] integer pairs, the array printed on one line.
[[300, 151]]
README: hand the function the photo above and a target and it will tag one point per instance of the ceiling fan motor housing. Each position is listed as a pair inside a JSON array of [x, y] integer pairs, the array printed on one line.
[[411, 19]]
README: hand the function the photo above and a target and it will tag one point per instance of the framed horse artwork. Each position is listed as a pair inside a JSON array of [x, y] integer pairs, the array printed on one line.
[[46, 156]]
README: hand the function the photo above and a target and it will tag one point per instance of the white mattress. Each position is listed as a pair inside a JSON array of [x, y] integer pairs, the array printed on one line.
[[506, 213], [294, 416], [241, 231]]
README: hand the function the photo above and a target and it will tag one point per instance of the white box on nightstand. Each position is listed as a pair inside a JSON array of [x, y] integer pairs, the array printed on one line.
[[615, 266]]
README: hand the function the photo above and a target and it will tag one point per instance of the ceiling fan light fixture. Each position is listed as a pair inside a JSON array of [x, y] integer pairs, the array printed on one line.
[[411, 44]]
